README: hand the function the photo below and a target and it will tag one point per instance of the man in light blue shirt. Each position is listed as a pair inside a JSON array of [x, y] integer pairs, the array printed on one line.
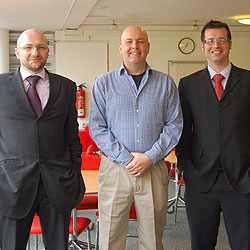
[[136, 121]]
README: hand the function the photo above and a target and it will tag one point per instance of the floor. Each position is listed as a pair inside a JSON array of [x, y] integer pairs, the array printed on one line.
[[176, 235]]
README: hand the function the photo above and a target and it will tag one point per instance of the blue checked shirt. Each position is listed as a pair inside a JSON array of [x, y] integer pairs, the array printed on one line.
[[124, 119]]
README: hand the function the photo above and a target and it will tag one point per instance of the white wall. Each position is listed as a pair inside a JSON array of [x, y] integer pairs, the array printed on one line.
[[81, 62], [82, 55], [4, 51]]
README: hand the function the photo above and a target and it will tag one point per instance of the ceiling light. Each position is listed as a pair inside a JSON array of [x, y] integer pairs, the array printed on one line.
[[244, 21]]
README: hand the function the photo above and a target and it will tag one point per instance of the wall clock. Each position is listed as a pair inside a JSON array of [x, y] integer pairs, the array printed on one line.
[[186, 45]]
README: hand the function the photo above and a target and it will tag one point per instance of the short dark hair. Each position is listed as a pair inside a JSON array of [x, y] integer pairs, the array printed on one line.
[[215, 25]]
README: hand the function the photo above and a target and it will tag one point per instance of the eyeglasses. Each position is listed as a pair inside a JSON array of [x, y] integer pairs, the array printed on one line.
[[29, 48], [211, 41]]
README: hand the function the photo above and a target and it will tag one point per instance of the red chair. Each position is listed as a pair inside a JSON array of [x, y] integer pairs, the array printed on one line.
[[77, 226], [90, 202], [171, 172], [173, 176], [86, 140], [90, 162], [86, 128]]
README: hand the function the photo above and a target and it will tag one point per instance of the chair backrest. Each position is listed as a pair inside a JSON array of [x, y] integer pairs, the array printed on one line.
[[86, 140], [82, 223], [88, 202], [86, 128], [90, 162]]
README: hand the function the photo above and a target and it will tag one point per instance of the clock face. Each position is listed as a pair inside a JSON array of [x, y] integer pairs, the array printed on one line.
[[186, 45]]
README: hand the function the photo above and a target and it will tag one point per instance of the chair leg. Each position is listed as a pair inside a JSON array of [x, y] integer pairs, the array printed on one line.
[[88, 237], [172, 201], [36, 242], [80, 245], [170, 171], [132, 235], [97, 235], [36, 236], [179, 198], [74, 242], [176, 201]]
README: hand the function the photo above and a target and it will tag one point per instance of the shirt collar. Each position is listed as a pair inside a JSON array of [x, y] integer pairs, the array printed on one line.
[[24, 73], [225, 72], [123, 69]]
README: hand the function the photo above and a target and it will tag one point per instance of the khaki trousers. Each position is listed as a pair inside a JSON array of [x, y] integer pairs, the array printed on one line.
[[117, 190]]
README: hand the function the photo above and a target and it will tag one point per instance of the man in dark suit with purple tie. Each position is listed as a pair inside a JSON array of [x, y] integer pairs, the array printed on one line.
[[214, 148], [40, 150]]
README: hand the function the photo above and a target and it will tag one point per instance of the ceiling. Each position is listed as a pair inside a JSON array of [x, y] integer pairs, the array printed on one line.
[[54, 15]]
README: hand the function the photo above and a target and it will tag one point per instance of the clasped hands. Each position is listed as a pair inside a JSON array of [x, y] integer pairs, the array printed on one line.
[[139, 165]]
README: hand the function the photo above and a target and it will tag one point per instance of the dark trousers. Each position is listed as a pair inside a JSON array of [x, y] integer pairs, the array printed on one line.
[[14, 233], [203, 213]]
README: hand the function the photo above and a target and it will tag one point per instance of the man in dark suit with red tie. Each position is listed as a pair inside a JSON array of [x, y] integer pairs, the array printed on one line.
[[214, 148], [40, 150]]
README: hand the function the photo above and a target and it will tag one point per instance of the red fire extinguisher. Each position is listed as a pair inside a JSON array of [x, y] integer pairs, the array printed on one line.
[[80, 101]]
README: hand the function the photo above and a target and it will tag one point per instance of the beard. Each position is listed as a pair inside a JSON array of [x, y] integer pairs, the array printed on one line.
[[34, 67]]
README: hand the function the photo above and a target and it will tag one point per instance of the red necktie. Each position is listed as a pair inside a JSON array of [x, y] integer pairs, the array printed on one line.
[[32, 94], [218, 86]]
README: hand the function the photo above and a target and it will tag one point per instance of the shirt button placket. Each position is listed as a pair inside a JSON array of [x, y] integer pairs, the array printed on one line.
[[137, 127]]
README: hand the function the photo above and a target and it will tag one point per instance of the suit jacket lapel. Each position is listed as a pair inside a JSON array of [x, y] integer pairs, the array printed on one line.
[[54, 85], [233, 80], [206, 83], [16, 84]]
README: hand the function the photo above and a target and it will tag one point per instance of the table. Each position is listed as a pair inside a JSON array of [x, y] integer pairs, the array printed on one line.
[[172, 157], [91, 180]]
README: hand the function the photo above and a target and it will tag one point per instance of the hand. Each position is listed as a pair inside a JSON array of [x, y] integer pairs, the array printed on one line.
[[139, 165]]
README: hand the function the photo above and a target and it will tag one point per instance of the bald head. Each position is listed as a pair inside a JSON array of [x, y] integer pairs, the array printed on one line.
[[31, 34], [133, 29]]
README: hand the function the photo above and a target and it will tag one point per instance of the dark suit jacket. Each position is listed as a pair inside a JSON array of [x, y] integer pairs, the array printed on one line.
[[31, 146], [215, 131]]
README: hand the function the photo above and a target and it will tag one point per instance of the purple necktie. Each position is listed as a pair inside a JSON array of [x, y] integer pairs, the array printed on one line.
[[218, 86], [32, 94]]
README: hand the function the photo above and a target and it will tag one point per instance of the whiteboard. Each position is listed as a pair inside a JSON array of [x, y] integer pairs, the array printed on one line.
[[179, 69]]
